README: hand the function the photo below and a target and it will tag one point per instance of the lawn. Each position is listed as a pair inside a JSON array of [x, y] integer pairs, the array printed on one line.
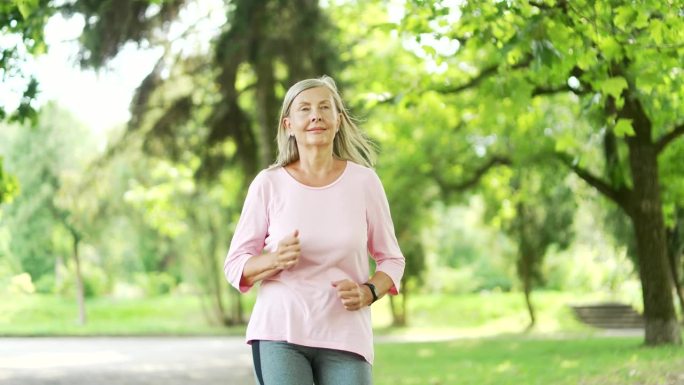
[[529, 361], [430, 315], [485, 341], [39, 315]]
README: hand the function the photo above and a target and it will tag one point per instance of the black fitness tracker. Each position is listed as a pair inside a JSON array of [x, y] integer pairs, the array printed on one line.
[[372, 290]]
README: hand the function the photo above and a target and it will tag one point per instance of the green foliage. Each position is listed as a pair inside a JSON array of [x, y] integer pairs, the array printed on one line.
[[8, 185], [156, 283], [23, 20], [465, 254], [569, 81], [21, 284], [474, 99], [110, 24], [42, 158]]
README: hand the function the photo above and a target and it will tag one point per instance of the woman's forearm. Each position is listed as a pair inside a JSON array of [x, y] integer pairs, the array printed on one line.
[[259, 267], [382, 282]]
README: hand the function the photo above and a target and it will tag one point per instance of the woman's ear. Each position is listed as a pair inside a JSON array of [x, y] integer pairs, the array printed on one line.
[[286, 123]]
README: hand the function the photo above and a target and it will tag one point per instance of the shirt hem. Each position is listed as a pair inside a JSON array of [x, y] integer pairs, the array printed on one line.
[[315, 344]]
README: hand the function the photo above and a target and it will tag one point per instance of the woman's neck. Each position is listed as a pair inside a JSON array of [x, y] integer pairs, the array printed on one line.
[[316, 163]]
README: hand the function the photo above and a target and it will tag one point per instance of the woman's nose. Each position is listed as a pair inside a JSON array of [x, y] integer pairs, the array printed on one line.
[[315, 117]]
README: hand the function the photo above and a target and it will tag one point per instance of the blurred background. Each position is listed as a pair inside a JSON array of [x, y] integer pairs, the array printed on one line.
[[531, 152]]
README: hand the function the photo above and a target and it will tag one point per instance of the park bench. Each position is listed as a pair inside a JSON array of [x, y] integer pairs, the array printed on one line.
[[609, 315]]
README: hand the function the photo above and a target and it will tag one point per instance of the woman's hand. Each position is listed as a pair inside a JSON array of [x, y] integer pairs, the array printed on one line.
[[353, 295], [288, 252]]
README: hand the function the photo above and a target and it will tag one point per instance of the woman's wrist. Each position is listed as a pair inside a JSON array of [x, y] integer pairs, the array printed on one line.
[[371, 293]]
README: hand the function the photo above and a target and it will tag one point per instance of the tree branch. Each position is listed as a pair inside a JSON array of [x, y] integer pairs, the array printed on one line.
[[665, 140], [619, 196], [474, 82], [487, 72], [539, 91], [576, 72], [447, 186], [563, 5]]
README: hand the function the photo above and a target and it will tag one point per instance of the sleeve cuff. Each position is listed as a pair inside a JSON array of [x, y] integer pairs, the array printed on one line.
[[234, 273], [395, 272]]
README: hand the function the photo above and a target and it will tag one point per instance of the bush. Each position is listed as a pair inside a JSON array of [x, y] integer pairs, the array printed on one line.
[[46, 284], [21, 284], [95, 282], [155, 283], [453, 281]]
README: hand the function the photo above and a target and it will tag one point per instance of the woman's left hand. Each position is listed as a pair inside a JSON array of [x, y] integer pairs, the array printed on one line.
[[352, 295]]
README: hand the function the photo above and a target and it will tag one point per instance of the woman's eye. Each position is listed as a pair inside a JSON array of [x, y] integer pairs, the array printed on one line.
[[305, 109], [325, 107]]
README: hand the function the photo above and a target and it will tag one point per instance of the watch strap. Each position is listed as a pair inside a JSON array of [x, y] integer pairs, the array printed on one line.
[[372, 290]]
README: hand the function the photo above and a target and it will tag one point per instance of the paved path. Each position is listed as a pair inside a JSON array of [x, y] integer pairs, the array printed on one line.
[[125, 361], [144, 360]]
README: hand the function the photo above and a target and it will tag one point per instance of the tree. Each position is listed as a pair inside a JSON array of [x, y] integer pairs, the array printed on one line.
[[614, 66], [45, 158], [231, 120], [544, 210], [25, 20]]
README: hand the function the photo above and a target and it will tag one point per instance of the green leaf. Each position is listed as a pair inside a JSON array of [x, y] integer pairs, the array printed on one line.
[[647, 81], [610, 48], [566, 142], [586, 59], [656, 31], [429, 50], [642, 20], [624, 128], [26, 7], [625, 16], [613, 86]]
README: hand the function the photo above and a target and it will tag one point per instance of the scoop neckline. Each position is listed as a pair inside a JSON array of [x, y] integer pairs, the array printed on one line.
[[339, 178]]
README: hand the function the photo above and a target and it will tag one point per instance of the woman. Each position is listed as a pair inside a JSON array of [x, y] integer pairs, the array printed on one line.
[[307, 227]]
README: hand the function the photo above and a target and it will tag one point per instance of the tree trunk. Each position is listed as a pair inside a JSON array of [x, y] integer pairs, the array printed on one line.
[[528, 301], [647, 218], [399, 311], [59, 266], [674, 266], [524, 225], [214, 276], [674, 252], [267, 107], [237, 313], [80, 293]]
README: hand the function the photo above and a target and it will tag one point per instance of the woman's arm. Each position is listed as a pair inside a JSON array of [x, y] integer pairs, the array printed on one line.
[[355, 295], [266, 265], [382, 242], [382, 282]]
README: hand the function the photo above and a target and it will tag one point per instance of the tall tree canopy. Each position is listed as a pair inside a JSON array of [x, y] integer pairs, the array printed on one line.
[[614, 71]]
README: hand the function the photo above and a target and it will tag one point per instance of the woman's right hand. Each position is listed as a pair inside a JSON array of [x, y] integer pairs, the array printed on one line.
[[288, 252]]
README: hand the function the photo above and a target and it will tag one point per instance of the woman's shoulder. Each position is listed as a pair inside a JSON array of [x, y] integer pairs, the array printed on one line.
[[270, 172], [363, 174], [362, 170], [266, 177]]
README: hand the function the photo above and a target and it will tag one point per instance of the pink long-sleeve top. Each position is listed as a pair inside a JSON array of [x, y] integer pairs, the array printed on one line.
[[339, 225]]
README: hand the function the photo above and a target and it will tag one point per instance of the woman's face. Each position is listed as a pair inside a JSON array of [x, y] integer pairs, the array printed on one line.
[[313, 118]]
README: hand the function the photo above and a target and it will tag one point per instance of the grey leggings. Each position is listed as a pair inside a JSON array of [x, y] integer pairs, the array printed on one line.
[[283, 363]]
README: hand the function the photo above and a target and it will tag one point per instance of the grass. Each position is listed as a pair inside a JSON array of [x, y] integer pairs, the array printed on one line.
[[529, 361], [430, 315], [485, 344], [486, 314], [39, 315]]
